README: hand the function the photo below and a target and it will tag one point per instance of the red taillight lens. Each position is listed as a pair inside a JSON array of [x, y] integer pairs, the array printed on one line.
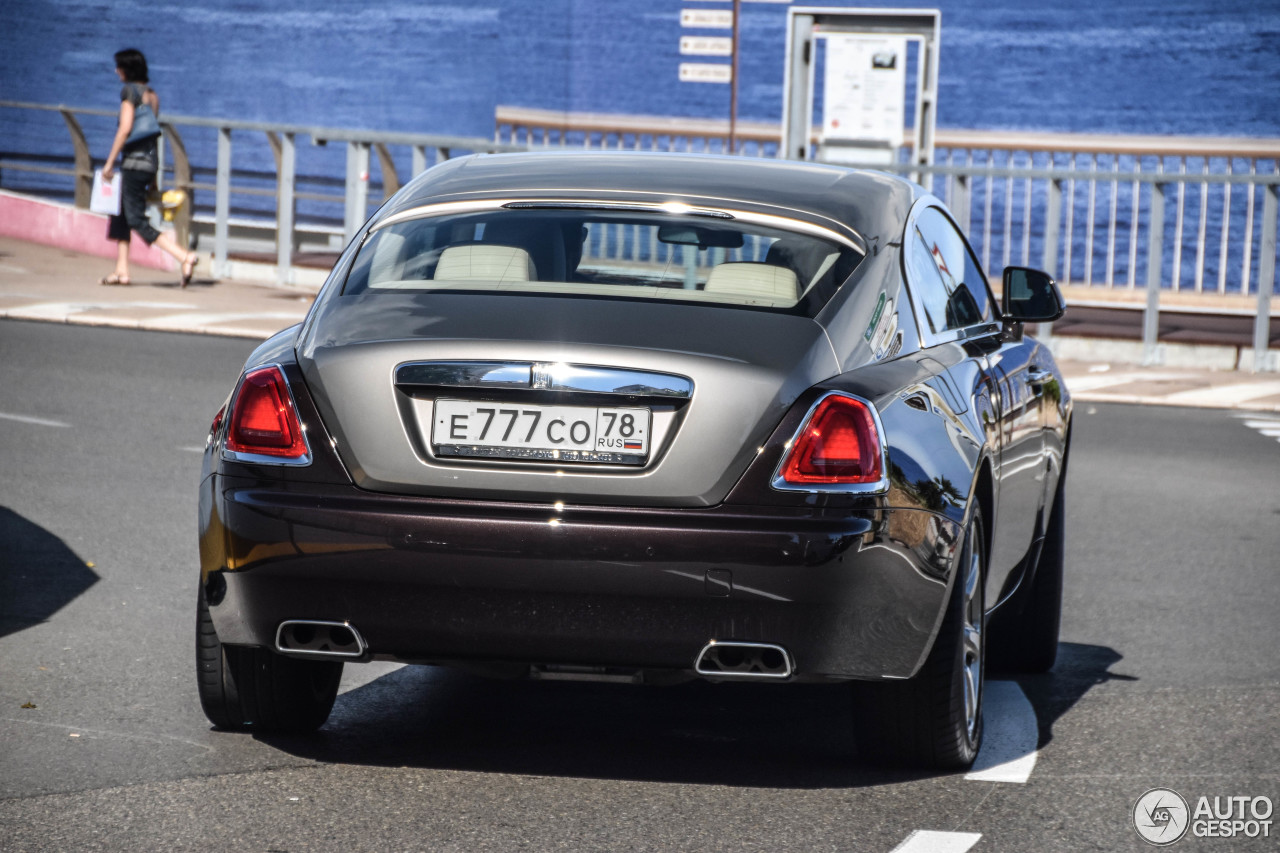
[[839, 445], [263, 421]]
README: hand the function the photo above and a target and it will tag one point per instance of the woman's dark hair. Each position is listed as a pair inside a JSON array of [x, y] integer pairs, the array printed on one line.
[[133, 64]]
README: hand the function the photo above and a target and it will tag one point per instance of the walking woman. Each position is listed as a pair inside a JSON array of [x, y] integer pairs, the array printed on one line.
[[136, 138]]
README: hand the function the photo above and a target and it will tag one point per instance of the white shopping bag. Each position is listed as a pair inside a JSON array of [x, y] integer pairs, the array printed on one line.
[[106, 195]]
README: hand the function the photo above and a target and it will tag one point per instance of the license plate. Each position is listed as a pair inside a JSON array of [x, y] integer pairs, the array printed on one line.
[[617, 436]]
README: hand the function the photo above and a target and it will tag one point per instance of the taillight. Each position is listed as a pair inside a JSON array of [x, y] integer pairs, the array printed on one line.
[[263, 421], [839, 445]]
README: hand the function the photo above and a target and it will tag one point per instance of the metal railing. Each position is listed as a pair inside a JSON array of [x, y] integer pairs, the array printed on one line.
[[1081, 206], [268, 185]]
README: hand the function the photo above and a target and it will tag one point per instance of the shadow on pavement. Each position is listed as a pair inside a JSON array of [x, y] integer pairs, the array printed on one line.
[[1079, 669], [753, 735], [792, 736], [39, 574]]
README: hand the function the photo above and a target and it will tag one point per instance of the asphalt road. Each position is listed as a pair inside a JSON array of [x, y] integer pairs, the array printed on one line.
[[1169, 673]]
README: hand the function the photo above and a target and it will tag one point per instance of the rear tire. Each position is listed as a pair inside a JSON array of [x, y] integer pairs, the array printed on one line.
[[248, 687], [1025, 639], [934, 720]]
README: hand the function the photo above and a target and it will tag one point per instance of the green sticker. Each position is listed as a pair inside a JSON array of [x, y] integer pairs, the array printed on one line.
[[875, 317]]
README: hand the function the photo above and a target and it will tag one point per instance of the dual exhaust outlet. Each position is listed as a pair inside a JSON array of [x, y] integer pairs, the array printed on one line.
[[320, 639], [718, 658], [739, 660]]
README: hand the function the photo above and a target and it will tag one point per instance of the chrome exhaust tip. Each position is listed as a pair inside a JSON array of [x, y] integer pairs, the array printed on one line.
[[732, 659], [320, 639]]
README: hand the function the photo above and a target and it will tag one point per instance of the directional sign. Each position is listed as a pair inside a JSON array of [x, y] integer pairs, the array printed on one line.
[[705, 72], [707, 19], [706, 46]]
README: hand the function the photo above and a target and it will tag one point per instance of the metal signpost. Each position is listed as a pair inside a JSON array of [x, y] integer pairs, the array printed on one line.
[[864, 84], [707, 72]]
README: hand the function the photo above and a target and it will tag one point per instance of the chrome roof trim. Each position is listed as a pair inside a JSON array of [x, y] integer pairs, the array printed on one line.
[[638, 206], [673, 208]]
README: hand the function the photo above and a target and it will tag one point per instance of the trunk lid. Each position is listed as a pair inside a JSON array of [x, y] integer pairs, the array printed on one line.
[[363, 358]]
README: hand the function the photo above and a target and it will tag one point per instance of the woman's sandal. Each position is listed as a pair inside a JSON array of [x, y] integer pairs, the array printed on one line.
[[114, 279], [189, 268]]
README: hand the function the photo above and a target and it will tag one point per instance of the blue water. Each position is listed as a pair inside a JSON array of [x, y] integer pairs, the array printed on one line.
[[1129, 66], [1196, 67]]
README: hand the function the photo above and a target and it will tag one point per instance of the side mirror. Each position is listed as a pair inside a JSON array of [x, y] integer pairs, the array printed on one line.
[[1030, 296]]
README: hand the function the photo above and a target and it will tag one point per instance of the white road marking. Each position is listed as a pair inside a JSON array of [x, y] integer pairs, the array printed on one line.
[[931, 841], [1102, 382], [178, 322], [1267, 426], [1225, 394], [28, 419], [355, 676], [192, 449], [62, 310], [1010, 737]]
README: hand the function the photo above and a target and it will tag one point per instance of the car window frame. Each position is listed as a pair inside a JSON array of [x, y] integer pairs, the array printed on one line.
[[928, 337]]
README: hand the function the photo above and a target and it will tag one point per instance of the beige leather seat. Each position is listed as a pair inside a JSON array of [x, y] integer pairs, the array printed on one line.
[[485, 262], [754, 279]]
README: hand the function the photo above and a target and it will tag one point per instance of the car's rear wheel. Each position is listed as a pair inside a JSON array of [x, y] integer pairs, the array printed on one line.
[[1025, 629], [243, 687], [935, 719]]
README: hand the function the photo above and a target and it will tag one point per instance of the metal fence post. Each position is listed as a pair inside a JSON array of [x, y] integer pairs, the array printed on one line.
[[1155, 256], [84, 163], [961, 202], [1266, 278], [1049, 257], [418, 163], [357, 189], [285, 205], [181, 181], [222, 203]]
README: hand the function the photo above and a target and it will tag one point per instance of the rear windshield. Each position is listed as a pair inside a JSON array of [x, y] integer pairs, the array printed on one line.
[[604, 253]]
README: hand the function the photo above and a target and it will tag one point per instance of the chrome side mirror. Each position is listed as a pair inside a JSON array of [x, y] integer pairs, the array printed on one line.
[[1030, 296]]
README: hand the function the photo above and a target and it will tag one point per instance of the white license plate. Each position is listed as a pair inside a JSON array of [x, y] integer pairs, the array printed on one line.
[[618, 436]]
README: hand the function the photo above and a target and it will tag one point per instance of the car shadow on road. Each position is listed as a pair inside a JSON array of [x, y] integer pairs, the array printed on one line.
[[39, 574], [1079, 669], [754, 735], [757, 735]]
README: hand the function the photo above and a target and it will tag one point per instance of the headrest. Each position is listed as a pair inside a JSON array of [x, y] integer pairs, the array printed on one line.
[[485, 262], [754, 279]]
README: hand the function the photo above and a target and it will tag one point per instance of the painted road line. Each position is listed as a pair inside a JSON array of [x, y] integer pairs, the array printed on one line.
[[1268, 427], [1100, 382], [63, 310], [28, 419], [1225, 395], [180, 322], [1010, 736], [931, 841]]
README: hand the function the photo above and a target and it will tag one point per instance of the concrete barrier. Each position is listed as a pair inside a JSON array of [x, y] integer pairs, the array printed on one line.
[[66, 227]]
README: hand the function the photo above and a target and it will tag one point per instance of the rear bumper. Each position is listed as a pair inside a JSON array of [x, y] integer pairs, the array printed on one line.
[[848, 594]]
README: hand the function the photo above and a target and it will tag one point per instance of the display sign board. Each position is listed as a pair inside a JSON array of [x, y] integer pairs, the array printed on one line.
[[706, 46], [865, 94], [705, 72], [709, 19]]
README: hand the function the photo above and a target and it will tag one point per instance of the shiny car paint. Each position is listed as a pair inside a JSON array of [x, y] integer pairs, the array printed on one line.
[[507, 566]]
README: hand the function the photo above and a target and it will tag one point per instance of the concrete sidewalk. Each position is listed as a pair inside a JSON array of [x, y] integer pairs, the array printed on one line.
[[56, 285]]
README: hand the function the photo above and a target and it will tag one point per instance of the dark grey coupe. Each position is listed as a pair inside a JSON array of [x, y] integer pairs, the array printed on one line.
[[648, 418]]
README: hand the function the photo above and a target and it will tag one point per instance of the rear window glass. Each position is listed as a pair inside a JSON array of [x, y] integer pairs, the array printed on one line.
[[602, 253]]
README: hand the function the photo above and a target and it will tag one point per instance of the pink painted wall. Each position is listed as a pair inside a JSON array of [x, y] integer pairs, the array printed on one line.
[[67, 227]]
